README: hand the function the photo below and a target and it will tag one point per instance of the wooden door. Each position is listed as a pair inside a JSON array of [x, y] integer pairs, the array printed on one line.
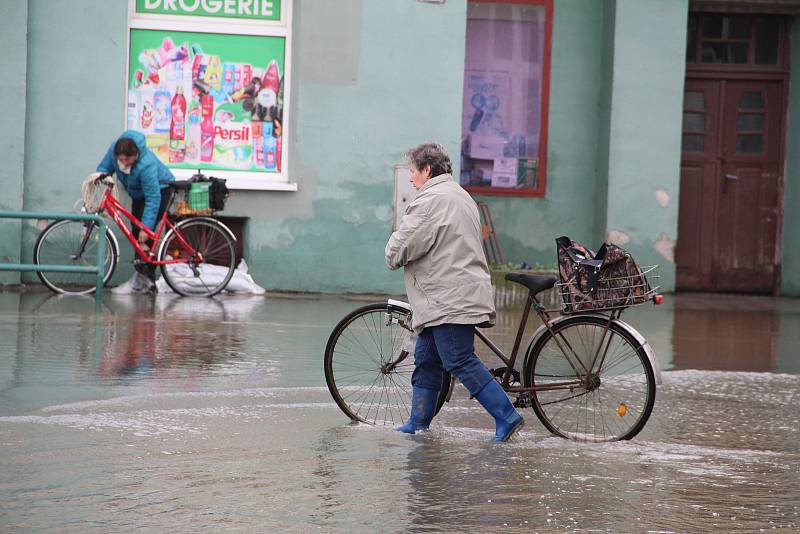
[[730, 186]]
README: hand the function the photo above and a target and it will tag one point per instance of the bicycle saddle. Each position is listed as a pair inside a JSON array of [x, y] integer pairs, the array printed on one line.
[[534, 282]]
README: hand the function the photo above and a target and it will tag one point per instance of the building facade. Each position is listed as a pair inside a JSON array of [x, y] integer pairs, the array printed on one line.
[[667, 127]]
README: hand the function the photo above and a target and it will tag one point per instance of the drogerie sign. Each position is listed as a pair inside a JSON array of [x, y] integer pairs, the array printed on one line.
[[245, 9]]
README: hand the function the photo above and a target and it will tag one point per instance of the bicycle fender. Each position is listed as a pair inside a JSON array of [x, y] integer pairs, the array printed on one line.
[[648, 350], [651, 355], [399, 304]]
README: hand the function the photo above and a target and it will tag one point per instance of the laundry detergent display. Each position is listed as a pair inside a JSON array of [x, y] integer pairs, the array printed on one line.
[[208, 101]]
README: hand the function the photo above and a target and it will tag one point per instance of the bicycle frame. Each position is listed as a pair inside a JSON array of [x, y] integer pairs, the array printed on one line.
[[119, 213], [548, 322]]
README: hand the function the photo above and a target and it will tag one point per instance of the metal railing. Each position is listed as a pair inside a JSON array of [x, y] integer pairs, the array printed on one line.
[[101, 247]]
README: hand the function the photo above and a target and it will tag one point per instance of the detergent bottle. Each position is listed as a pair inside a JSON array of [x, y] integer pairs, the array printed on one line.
[[162, 110], [228, 78], [270, 147], [146, 106], [207, 128], [193, 138], [177, 131], [213, 73]]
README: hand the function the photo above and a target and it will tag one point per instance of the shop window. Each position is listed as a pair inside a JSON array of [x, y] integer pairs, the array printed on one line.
[[208, 85], [506, 82]]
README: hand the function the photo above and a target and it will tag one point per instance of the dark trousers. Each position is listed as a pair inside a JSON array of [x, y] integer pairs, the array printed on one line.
[[137, 208], [451, 347]]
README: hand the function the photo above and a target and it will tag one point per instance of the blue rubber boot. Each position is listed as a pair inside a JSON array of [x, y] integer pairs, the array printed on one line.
[[423, 407], [506, 418]]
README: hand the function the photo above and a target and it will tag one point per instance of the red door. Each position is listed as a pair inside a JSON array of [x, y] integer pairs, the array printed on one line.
[[730, 186]]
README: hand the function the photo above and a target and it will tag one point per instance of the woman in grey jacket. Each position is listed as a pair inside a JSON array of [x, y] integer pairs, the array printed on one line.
[[449, 289]]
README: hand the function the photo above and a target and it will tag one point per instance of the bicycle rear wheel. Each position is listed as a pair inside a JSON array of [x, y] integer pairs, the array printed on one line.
[[608, 400], [204, 275], [68, 242], [367, 371]]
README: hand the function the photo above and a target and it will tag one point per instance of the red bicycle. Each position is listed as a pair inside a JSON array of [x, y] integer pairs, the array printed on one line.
[[196, 255]]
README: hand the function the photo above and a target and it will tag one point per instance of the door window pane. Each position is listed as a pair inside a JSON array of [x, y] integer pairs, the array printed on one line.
[[694, 101], [737, 28], [693, 143], [750, 122], [694, 121], [691, 39], [502, 106], [749, 143], [751, 100], [722, 27], [768, 33], [724, 52]]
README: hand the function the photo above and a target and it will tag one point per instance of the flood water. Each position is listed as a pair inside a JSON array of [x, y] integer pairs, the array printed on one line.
[[202, 415]]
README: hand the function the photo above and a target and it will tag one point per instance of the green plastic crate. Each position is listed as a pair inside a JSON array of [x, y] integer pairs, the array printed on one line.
[[198, 196]]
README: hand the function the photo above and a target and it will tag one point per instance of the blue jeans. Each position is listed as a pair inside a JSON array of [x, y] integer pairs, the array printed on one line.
[[451, 347]]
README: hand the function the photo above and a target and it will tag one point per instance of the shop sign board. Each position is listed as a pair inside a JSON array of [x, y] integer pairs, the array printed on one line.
[[213, 98], [244, 9]]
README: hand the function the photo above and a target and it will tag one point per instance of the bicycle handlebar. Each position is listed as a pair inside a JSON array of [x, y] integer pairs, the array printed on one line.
[[101, 179]]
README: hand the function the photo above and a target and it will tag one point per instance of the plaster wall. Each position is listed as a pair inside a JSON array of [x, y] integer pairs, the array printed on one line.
[[790, 268], [645, 131], [13, 61]]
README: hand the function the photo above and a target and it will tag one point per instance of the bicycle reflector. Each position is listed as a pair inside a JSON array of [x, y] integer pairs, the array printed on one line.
[[622, 409], [658, 299]]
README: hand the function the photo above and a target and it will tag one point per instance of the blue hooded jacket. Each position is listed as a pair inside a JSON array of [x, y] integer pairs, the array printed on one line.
[[146, 178]]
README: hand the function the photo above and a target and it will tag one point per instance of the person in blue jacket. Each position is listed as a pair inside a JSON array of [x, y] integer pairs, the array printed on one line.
[[146, 180]]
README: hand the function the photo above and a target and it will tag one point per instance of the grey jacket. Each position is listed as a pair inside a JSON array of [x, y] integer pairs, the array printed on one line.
[[439, 244]]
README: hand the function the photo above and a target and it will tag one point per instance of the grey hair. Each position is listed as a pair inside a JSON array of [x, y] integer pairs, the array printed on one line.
[[430, 154]]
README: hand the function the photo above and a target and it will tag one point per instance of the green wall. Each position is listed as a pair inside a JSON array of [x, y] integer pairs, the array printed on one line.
[[14, 14], [645, 130], [790, 268]]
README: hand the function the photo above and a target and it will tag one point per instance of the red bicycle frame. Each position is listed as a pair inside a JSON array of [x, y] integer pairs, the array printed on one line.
[[118, 211]]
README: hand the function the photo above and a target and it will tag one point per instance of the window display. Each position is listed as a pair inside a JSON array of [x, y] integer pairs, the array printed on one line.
[[505, 102]]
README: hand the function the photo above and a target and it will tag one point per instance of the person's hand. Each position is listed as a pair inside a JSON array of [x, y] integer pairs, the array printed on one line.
[[143, 241]]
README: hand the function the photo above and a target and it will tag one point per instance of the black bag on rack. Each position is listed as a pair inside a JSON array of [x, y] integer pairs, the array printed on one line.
[[609, 279], [217, 194]]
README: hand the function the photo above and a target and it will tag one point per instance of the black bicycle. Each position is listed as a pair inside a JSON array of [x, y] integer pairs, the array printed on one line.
[[589, 376]]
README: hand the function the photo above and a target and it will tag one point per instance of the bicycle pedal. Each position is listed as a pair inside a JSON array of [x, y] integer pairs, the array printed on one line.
[[524, 400]]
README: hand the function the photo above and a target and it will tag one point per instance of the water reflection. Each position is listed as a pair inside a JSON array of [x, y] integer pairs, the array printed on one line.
[[157, 335]]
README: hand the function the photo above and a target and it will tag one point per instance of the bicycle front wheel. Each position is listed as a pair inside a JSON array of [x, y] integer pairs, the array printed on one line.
[[367, 370], [68, 242], [205, 254], [594, 380]]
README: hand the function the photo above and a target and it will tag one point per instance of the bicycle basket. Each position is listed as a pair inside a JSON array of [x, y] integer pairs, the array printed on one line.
[[92, 192], [205, 197], [609, 280]]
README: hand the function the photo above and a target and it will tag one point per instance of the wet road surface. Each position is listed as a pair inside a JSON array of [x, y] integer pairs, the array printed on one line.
[[200, 415]]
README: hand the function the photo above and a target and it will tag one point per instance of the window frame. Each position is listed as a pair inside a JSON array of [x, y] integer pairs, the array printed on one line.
[[783, 45], [282, 28], [541, 188]]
